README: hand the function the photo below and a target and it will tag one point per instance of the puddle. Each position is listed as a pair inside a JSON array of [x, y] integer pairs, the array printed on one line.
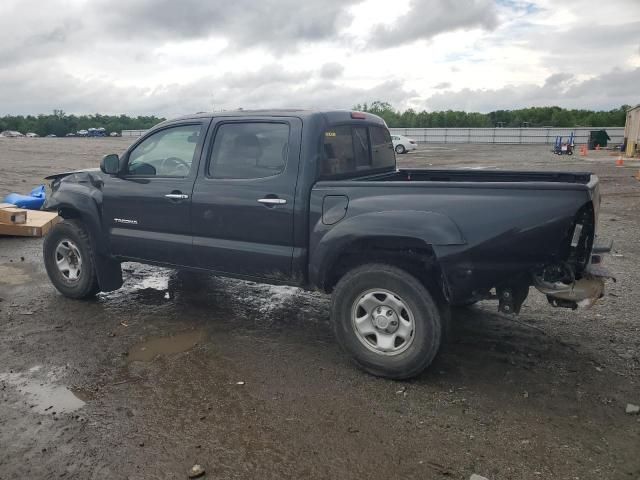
[[139, 277], [151, 348], [264, 298], [44, 394], [13, 276], [155, 281]]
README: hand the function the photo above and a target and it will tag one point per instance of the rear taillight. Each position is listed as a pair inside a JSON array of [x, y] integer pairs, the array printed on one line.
[[413, 142]]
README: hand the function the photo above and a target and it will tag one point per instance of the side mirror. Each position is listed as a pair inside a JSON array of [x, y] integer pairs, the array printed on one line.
[[110, 164]]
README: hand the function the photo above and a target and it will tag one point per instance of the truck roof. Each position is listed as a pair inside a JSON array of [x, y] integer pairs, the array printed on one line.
[[331, 116]]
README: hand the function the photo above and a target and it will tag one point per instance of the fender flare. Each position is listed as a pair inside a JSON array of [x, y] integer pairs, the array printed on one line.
[[423, 228], [85, 204]]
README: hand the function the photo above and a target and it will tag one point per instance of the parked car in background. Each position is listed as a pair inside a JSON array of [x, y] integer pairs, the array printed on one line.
[[32, 135], [82, 133], [315, 199], [97, 132], [11, 134], [51, 135], [402, 144], [70, 134], [114, 134]]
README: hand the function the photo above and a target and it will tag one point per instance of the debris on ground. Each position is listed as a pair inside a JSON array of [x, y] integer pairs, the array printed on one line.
[[240, 383], [196, 471], [632, 409], [475, 476], [9, 213], [33, 201], [37, 223]]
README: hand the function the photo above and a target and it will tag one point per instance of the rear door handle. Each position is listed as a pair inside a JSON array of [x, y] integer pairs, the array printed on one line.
[[177, 196], [272, 201]]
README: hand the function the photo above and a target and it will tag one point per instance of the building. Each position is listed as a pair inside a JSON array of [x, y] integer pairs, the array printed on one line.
[[632, 131]]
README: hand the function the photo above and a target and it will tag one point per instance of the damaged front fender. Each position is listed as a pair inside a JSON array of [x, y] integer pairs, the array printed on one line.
[[79, 195]]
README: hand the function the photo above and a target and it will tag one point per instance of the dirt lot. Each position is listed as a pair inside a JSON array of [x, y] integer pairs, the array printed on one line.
[[144, 382]]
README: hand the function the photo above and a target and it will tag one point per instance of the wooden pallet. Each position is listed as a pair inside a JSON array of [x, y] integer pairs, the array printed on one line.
[[38, 223]]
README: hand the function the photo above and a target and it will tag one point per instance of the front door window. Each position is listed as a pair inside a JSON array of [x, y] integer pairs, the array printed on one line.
[[166, 153]]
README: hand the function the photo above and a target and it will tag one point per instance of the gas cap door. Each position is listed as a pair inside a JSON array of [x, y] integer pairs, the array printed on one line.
[[334, 208]]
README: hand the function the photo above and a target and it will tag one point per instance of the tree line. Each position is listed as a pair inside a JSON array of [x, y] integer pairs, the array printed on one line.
[[524, 117], [59, 123]]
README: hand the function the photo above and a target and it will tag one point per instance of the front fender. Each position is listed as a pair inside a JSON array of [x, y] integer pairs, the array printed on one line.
[[410, 226], [84, 199], [80, 196]]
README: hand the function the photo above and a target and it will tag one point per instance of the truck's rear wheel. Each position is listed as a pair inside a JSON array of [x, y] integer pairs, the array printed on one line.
[[68, 259], [386, 320]]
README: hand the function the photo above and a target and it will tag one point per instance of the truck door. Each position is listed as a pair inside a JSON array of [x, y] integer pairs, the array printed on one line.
[[147, 209], [243, 199]]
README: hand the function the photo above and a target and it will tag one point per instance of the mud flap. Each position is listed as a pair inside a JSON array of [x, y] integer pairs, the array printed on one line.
[[109, 273]]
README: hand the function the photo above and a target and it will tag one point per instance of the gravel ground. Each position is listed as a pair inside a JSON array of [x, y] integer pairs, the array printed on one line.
[[246, 380]]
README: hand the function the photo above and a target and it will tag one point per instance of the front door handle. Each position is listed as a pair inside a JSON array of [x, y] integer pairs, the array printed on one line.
[[177, 196], [272, 201]]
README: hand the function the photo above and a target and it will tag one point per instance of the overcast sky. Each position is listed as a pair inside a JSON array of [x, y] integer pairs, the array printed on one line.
[[169, 57]]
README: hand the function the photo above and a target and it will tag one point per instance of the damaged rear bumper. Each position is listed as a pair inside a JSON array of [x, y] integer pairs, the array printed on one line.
[[580, 293]]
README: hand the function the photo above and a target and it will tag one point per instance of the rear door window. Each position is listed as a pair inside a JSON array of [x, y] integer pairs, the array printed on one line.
[[249, 150]]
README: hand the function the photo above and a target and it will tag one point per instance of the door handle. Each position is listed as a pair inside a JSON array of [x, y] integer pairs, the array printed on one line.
[[177, 196], [272, 201]]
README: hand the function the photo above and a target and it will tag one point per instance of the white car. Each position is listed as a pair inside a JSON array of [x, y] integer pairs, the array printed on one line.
[[403, 144], [32, 135]]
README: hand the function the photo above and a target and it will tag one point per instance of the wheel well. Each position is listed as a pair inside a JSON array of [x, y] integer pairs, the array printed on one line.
[[66, 212], [411, 255]]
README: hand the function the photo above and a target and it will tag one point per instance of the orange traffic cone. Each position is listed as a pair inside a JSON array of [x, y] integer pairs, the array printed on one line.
[[583, 150], [620, 161]]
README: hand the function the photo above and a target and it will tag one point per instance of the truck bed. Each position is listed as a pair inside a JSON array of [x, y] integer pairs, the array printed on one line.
[[508, 222]]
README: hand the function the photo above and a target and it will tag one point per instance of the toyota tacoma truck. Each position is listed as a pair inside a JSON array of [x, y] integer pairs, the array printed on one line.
[[315, 199]]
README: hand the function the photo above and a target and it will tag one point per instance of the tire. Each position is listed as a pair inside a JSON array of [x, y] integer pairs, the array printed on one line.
[[389, 352], [68, 258], [400, 149]]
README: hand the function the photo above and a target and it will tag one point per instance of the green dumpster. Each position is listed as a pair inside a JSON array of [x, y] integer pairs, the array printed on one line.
[[598, 137]]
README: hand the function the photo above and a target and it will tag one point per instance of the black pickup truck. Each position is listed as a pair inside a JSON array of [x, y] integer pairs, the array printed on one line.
[[314, 199]]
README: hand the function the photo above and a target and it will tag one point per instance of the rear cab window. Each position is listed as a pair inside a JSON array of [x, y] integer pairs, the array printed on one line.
[[356, 150]]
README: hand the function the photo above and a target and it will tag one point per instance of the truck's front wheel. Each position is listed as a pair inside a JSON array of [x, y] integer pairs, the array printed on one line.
[[68, 259], [386, 320]]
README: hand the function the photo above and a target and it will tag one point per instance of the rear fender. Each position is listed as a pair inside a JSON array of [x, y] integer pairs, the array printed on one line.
[[414, 227]]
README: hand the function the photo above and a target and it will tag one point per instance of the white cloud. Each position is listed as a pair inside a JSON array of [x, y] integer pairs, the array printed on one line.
[[603, 92], [167, 57]]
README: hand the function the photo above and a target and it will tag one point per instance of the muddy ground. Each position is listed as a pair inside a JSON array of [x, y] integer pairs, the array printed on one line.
[[247, 381]]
